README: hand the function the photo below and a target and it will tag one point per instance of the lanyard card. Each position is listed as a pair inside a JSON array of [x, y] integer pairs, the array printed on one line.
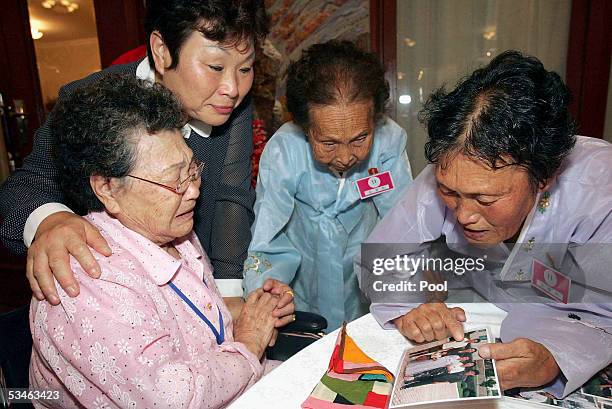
[[375, 184], [550, 281]]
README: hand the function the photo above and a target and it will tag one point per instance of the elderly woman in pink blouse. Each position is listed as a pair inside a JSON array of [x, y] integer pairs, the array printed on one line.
[[153, 331]]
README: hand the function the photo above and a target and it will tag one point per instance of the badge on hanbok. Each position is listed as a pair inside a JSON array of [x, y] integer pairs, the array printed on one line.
[[550, 281], [374, 184]]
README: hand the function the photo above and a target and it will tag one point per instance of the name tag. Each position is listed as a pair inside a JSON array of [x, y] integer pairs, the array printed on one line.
[[375, 184], [550, 281]]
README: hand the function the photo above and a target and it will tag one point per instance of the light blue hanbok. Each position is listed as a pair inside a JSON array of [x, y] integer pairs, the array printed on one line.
[[309, 223]]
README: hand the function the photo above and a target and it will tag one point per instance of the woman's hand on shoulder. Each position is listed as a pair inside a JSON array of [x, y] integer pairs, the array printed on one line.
[[59, 236]]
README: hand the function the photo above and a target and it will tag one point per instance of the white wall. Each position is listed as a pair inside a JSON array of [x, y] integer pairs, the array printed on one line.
[[61, 62]]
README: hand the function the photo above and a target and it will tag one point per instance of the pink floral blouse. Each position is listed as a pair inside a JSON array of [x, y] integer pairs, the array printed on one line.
[[128, 340]]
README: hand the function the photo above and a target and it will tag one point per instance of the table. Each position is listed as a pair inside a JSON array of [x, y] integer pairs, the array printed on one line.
[[287, 386]]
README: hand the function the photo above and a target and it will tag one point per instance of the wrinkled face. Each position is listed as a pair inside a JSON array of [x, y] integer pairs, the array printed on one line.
[[341, 136], [210, 79], [157, 213], [490, 204]]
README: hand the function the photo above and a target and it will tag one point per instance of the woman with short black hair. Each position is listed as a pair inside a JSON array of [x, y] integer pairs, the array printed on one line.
[[509, 179], [203, 52]]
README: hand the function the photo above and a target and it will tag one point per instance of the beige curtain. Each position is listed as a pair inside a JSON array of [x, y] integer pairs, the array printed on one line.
[[440, 41]]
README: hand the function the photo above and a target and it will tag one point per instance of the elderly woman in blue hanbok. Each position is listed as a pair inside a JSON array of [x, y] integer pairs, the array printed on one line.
[[310, 217], [507, 168]]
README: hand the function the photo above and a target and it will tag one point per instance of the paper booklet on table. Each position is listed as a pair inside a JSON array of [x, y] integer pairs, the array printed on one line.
[[446, 371]]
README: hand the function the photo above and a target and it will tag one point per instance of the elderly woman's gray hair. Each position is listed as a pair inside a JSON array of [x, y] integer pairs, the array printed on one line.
[[96, 130], [332, 73]]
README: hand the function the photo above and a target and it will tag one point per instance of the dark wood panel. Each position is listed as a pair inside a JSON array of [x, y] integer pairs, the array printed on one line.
[[18, 72], [120, 25], [14, 288], [588, 64], [383, 33], [18, 80]]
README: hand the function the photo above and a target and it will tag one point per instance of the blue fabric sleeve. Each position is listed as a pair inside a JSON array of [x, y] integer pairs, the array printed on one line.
[[271, 253]]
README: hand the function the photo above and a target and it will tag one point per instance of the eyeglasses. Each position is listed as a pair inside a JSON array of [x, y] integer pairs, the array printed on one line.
[[195, 171]]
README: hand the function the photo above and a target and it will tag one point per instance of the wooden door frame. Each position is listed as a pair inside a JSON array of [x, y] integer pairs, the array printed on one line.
[[588, 64], [18, 80], [18, 72], [383, 32]]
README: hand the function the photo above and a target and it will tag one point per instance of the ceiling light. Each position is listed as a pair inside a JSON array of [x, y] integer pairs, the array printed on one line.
[[405, 99], [489, 35], [409, 42], [63, 6]]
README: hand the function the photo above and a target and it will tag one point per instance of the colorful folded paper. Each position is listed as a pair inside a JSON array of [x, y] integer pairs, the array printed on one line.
[[352, 379]]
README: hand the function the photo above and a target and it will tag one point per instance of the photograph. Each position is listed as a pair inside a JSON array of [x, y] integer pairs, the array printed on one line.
[[445, 370], [575, 400], [600, 386]]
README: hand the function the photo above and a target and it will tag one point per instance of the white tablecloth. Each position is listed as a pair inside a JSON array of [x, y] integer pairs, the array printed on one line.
[[287, 386]]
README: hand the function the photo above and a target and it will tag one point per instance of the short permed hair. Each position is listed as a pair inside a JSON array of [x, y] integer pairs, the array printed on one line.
[[335, 72], [228, 22], [96, 130], [511, 112]]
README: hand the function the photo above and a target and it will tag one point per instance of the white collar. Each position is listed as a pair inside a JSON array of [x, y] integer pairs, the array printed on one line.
[[144, 72]]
